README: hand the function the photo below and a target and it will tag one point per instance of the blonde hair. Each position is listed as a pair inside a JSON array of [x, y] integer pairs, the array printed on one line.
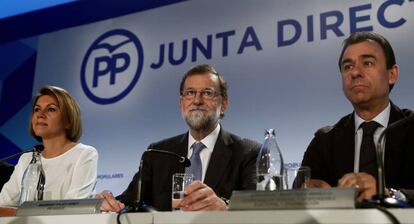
[[70, 112]]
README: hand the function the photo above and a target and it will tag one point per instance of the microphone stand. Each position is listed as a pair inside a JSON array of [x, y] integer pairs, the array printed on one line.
[[381, 198], [381, 201], [36, 148], [139, 205], [11, 156]]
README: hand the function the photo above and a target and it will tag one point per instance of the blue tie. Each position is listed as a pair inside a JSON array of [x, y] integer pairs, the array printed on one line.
[[195, 167]]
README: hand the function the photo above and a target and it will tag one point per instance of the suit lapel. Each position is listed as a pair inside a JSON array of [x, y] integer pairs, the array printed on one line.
[[182, 149], [219, 159], [345, 142]]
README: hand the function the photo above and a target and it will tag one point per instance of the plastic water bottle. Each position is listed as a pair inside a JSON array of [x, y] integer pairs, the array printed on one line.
[[33, 180], [269, 164]]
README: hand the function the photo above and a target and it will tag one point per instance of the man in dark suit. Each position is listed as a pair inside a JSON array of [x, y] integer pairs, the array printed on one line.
[[227, 161], [343, 155]]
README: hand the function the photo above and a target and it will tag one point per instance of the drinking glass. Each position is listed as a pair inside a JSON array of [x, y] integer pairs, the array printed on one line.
[[179, 183], [297, 177]]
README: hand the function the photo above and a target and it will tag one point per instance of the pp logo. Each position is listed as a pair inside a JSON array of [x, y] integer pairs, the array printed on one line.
[[112, 66]]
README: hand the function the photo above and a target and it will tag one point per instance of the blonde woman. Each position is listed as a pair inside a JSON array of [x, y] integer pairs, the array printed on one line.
[[70, 167]]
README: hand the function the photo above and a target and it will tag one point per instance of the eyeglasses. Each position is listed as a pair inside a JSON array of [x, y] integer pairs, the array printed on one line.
[[207, 94]]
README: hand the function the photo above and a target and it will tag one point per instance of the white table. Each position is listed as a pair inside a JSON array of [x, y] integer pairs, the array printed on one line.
[[331, 216]]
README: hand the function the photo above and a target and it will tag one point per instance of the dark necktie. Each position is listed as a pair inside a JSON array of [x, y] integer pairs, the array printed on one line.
[[196, 168], [368, 158]]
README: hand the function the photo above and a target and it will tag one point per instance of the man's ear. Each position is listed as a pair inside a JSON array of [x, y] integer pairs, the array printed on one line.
[[393, 74], [224, 104]]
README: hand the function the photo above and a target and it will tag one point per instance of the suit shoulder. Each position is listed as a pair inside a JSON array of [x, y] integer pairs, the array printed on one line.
[[342, 123], [325, 130], [167, 142], [250, 144], [331, 129], [245, 143], [407, 112]]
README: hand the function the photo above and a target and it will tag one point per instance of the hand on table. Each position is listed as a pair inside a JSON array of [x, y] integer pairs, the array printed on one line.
[[365, 183], [200, 197], [7, 211], [110, 203], [316, 183]]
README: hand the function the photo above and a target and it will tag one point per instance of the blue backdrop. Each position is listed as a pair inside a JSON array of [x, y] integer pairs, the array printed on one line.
[[279, 58]]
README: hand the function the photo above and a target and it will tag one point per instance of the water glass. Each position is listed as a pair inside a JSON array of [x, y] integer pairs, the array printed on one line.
[[179, 183], [297, 177]]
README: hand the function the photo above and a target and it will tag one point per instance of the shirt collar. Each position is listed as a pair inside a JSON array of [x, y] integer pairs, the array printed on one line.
[[382, 118], [209, 141]]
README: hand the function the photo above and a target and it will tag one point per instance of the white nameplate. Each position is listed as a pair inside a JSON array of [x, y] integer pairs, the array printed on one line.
[[294, 199], [60, 207]]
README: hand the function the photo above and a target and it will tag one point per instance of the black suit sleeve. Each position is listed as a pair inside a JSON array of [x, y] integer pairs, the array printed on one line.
[[240, 172], [315, 158], [129, 196], [409, 193], [5, 172], [249, 166], [318, 158]]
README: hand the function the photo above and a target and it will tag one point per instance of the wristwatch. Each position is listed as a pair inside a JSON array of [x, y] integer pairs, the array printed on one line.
[[397, 194]]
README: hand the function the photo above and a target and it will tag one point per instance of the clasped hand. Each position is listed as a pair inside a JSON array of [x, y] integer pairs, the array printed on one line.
[[110, 203]]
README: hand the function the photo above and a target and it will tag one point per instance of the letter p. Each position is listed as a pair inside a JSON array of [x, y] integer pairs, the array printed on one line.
[[99, 70]]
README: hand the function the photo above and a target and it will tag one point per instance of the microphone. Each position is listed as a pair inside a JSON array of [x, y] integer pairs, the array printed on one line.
[[380, 197], [36, 148], [139, 205], [181, 159]]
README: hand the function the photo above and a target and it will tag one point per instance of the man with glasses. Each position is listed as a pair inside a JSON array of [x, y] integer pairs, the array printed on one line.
[[221, 161]]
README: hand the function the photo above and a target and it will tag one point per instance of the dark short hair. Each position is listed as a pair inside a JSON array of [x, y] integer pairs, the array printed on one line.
[[202, 69], [359, 37], [70, 112]]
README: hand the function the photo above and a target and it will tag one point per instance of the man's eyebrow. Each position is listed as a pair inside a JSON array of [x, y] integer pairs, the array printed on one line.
[[368, 56], [346, 60], [364, 56]]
